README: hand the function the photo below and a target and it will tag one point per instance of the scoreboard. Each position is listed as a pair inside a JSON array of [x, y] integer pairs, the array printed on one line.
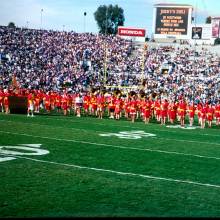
[[172, 21]]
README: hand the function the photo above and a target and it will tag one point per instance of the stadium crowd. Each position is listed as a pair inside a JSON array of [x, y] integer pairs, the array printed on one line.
[[44, 65], [49, 60]]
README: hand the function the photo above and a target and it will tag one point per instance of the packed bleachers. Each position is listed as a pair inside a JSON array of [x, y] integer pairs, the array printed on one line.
[[49, 60]]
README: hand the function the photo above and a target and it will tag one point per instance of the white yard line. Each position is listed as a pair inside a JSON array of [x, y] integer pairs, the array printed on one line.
[[2, 159], [124, 173], [187, 141], [124, 126], [80, 129], [50, 126], [113, 146], [128, 126]]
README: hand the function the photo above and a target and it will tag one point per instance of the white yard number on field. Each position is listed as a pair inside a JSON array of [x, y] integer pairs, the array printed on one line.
[[185, 127], [129, 134], [6, 152]]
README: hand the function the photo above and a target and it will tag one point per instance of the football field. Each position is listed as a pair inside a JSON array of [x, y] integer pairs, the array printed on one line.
[[56, 166]]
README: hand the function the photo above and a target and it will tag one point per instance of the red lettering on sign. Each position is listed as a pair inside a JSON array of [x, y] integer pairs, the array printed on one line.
[[131, 32]]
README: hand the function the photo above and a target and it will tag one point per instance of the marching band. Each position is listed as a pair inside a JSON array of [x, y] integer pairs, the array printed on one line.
[[131, 106]]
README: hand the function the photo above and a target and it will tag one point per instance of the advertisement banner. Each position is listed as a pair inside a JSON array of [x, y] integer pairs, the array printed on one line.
[[215, 27], [197, 33], [206, 32], [132, 32]]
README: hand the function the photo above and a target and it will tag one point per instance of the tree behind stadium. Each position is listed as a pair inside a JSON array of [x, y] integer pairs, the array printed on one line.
[[208, 20], [108, 18], [11, 25]]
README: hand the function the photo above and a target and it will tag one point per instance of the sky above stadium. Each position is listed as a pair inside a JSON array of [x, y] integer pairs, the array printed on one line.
[[69, 14]]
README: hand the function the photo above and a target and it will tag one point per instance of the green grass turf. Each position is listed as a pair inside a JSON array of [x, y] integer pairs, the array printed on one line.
[[34, 188]]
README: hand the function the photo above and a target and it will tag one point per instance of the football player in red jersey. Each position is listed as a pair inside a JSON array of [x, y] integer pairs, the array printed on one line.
[[127, 107], [203, 111], [157, 106], [163, 111], [64, 103], [58, 102], [172, 111], [93, 105], [6, 101], [133, 109], [111, 106], [147, 110], [37, 100], [2, 100], [100, 105], [52, 100], [30, 105], [70, 102], [117, 108], [86, 103], [217, 113], [47, 101], [198, 111], [182, 112], [138, 107], [78, 104], [210, 114], [191, 112]]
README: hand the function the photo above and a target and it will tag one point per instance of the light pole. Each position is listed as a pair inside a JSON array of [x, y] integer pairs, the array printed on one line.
[[41, 14], [105, 56], [195, 64], [143, 61], [63, 27], [106, 20], [84, 21], [27, 24], [218, 28], [195, 28]]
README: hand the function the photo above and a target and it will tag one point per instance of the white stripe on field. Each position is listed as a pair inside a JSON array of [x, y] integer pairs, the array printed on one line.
[[124, 173], [168, 139], [114, 146], [189, 141], [123, 126], [127, 126], [2, 159]]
